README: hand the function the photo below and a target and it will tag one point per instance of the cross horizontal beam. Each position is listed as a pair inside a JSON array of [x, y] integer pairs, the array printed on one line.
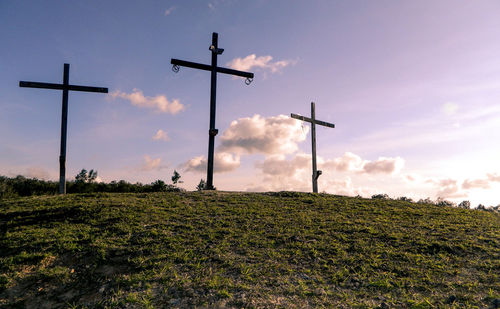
[[62, 87], [307, 119], [207, 67]]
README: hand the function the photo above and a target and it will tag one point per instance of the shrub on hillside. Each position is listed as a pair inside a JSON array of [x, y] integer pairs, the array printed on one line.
[[464, 205], [201, 185], [425, 201], [380, 196], [444, 203], [405, 199]]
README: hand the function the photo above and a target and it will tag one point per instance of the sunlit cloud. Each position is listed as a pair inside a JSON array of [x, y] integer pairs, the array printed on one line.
[[476, 183], [446, 188], [384, 166], [271, 135], [353, 163], [493, 177], [345, 186], [481, 183], [262, 62], [348, 162], [160, 102], [161, 136], [223, 162], [151, 164], [277, 165], [294, 173]]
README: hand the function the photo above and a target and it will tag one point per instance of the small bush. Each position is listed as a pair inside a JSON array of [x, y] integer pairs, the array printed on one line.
[[405, 199], [444, 203], [380, 197], [464, 205], [201, 185], [425, 201]]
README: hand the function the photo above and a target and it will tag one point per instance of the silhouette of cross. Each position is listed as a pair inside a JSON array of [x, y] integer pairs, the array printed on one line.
[[313, 121], [65, 87], [214, 69]]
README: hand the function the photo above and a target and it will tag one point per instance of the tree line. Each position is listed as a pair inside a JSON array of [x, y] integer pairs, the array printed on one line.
[[85, 182]]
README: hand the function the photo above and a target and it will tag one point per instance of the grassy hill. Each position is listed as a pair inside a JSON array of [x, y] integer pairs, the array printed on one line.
[[219, 249]]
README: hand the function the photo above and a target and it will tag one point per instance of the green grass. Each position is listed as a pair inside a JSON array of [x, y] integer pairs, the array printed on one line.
[[219, 249]]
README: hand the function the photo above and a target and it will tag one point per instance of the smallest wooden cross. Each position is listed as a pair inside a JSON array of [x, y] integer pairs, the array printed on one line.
[[65, 87], [313, 121]]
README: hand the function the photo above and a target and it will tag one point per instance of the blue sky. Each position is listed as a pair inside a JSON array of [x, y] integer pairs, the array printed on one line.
[[413, 88]]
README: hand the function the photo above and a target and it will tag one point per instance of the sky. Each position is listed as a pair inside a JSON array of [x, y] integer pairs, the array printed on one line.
[[413, 88]]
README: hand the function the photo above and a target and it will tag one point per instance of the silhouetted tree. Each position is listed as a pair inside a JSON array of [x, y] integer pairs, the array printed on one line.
[[86, 177], [159, 185], [380, 196], [202, 185], [176, 177], [464, 205]]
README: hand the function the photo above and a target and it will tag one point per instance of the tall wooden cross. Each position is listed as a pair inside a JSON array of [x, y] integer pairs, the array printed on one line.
[[65, 87], [214, 69], [314, 122]]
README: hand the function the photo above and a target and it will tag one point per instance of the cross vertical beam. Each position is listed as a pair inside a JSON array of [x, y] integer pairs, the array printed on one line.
[[212, 130], [65, 87], [64, 130], [214, 69], [313, 144], [313, 121]]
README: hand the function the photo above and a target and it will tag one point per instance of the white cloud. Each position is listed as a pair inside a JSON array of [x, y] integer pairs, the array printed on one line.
[[152, 164], [476, 183], [278, 166], [384, 166], [449, 108], [348, 162], [159, 102], [493, 177], [161, 136], [280, 173], [263, 62], [223, 162], [169, 10], [346, 187], [481, 183], [447, 188], [272, 135], [351, 162]]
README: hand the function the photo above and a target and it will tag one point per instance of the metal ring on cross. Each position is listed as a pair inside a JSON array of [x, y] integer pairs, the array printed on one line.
[[248, 81], [175, 68]]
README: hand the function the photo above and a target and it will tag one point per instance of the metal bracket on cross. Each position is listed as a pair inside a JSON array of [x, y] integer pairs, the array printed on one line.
[[216, 50], [213, 132], [318, 173]]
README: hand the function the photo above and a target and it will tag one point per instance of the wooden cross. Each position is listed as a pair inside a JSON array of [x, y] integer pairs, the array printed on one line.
[[314, 122], [214, 69], [65, 87]]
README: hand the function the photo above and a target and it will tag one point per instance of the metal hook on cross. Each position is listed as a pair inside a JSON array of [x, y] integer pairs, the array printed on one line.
[[175, 68], [248, 81]]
